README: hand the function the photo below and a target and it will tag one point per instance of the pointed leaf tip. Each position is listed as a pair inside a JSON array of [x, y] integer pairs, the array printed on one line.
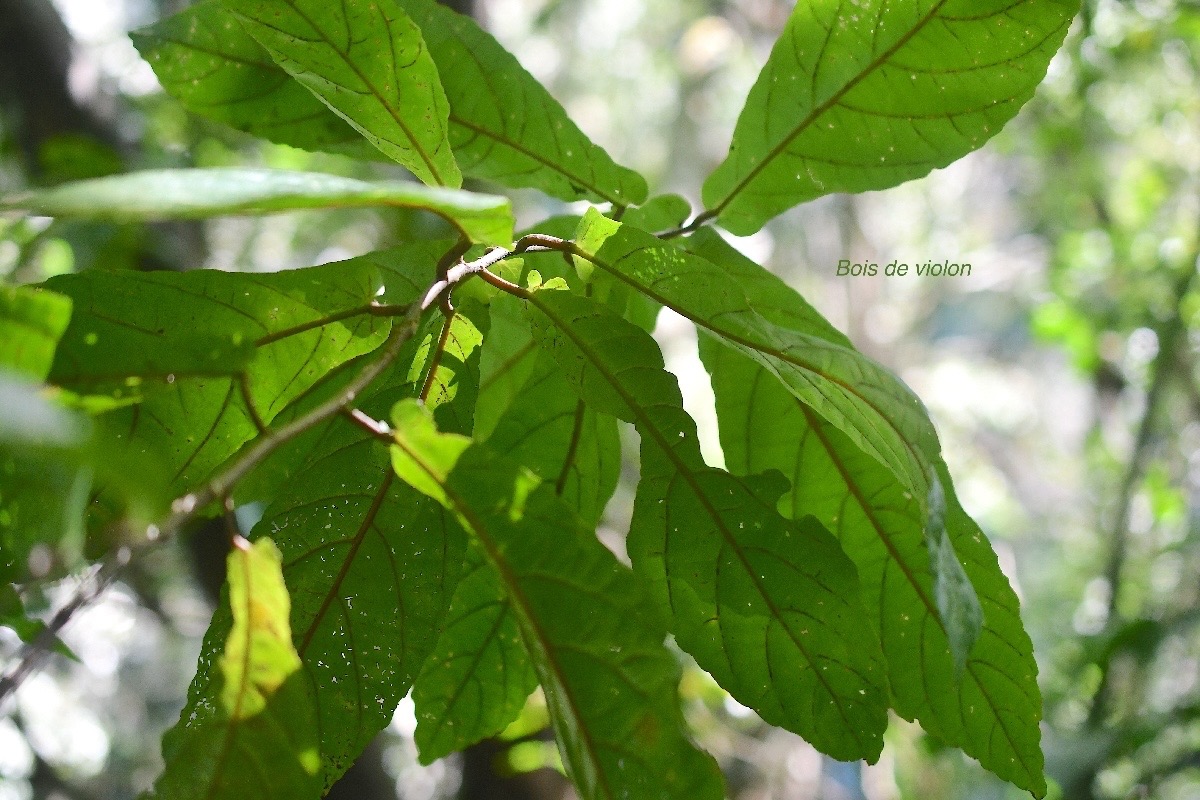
[[867, 95]]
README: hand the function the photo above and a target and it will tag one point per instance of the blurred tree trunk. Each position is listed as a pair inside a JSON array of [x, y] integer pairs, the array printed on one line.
[[35, 64]]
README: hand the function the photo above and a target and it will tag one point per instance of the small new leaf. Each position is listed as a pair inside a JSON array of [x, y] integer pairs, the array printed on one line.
[[258, 737]]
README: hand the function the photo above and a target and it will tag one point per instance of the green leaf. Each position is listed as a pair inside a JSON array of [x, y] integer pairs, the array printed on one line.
[[371, 564], [197, 193], [204, 58], [256, 736], [787, 636], [369, 63], [478, 678], [868, 95], [954, 598], [505, 364], [505, 126], [764, 427], [860, 398], [585, 621], [191, 353], [32, 321], [563, 440]]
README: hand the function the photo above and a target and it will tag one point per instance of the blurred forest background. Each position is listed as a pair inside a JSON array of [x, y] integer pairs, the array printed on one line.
[[1063, 374]]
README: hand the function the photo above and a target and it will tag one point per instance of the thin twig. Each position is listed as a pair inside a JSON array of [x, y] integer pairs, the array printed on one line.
[[701, 219], [34, 653], [377, 428]]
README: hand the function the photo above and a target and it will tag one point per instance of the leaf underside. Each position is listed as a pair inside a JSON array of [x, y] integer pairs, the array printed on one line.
[[153, 195], [204, 58], [191, 353], [255, 735], [211, 65], [867, 95], [596, 647], [782, 634], [992, 710], [369, 63]]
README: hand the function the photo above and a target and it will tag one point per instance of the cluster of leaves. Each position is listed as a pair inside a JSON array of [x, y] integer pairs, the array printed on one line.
[[433, 429]]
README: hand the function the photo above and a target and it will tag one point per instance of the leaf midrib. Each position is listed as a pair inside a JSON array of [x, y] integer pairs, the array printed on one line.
[[683, 469], [415, 145], [820, 110], [868, 511], [243, 688], [755, 346], [520, 603]]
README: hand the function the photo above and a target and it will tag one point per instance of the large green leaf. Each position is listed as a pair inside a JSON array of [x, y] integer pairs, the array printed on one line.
[[186, 352], [584, 619], [866, 95], [865, 401], [31, 323], [504, 126], [872, 407], [880, 527], [369, 63], [371, 564], [195, 193], [256, 735], [770, 298], [770, 607], [478, 678], [204, 57]]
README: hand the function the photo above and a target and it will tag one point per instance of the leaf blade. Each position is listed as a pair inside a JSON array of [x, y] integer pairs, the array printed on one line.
[[258, 737], [793, 138], [768, 627], [152, 195], [582, 618], [388, 89], [763, 427]]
